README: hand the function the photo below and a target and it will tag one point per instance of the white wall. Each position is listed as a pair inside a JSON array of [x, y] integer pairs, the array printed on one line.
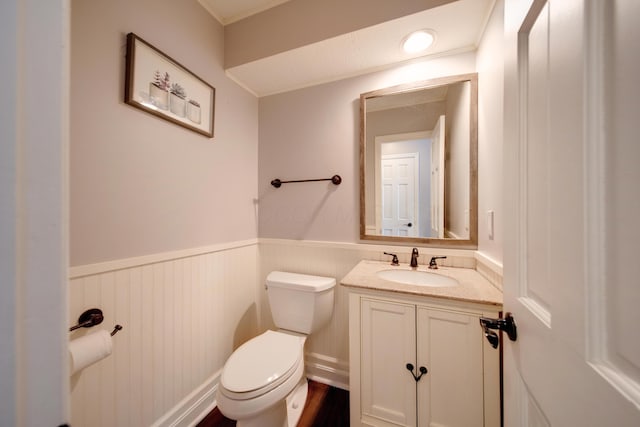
[[490, 63], [139, 184]]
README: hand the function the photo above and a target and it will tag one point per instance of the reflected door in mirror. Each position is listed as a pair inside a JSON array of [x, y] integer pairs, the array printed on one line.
[[399, 191]]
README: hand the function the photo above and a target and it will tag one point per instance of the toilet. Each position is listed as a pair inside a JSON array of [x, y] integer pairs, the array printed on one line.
[[263, 382]]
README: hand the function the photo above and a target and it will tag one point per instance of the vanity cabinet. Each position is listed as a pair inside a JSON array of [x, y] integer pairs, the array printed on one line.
[[461, 386]]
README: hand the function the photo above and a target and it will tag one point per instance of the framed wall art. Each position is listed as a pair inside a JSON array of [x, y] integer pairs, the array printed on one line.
[[161, 86]]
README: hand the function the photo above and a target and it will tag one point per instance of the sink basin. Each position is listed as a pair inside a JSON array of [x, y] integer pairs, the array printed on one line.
[[419, 278]]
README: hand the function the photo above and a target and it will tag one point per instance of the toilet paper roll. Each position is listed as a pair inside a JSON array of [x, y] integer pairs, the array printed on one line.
[[87, 350]]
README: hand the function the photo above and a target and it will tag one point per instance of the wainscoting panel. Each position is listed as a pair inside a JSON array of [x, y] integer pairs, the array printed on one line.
[[182, 316]]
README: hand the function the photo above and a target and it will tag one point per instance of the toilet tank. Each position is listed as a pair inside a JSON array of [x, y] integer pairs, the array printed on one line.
[[300, 302]]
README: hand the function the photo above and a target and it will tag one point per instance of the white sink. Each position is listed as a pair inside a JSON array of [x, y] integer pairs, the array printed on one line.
[[420, 278]]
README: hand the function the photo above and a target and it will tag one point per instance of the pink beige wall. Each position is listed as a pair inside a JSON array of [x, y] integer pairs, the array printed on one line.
[[141, 185], [138, 184], [314, 133]]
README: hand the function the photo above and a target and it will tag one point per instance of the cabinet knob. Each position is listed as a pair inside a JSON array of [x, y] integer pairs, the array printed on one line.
[[422, 370]]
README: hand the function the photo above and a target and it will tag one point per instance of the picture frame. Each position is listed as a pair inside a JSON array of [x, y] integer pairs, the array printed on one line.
[[159, 85]]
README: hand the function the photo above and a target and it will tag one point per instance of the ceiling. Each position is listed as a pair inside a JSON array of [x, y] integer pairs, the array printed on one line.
[[230, 11], [458, 27]]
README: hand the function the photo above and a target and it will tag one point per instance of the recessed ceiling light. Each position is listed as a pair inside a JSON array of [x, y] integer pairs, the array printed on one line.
[[418, 41]]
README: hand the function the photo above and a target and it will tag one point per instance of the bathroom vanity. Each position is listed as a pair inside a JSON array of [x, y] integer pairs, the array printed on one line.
[[417, 353]]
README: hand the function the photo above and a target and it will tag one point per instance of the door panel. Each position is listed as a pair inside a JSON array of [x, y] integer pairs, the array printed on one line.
[[571, 174], [534, 65]]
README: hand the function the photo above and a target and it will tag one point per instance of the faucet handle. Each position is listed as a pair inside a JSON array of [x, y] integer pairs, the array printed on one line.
[[394, 260], [433, 264]]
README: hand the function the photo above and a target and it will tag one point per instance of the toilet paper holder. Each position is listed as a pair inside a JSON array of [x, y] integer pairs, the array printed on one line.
[[92, 317]]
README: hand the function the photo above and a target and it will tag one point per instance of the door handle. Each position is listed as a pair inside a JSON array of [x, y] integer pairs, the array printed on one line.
[[407, 225], [508, 325]]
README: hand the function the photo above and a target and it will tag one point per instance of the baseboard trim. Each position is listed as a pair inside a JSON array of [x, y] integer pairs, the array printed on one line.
[[193, 408], [327, 370]]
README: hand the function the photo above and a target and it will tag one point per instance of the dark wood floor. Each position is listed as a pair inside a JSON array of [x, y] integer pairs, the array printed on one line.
[[325, 406]]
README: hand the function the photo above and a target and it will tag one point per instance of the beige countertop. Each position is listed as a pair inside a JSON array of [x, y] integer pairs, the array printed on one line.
[[473, 287]]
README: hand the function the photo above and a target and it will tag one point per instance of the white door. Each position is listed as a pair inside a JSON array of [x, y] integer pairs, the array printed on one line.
[[437, 179], [399, 194], [571, 270]]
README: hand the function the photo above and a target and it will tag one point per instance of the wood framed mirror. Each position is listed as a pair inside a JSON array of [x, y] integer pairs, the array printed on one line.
[[419, 163]]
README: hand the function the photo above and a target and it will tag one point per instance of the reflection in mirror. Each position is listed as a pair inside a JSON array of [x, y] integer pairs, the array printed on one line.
[[418, 154]]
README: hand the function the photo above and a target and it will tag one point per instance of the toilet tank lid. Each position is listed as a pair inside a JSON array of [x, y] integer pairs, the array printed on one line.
[[302, 282]]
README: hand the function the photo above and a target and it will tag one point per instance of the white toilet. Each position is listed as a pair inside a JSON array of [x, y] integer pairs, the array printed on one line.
[[263, 382]]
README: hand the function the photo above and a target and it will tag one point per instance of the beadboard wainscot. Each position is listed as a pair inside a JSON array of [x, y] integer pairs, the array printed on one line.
[[183, 313]]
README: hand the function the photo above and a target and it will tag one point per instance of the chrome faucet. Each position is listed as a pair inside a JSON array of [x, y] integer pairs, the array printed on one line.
[[414, 258]]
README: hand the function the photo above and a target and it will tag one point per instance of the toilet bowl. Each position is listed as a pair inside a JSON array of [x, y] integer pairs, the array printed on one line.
[[260, 375], [263, 382]]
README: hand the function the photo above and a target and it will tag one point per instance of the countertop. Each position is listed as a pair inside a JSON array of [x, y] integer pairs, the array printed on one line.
[[473, 286]]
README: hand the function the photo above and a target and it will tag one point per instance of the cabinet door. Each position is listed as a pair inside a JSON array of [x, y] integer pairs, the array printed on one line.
[[450, 347], [388, 391]]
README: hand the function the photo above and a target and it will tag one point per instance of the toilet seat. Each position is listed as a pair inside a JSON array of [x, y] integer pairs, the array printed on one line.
[[261, 364]]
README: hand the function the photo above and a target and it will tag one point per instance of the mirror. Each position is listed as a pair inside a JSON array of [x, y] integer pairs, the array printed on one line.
[[418, 163]]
